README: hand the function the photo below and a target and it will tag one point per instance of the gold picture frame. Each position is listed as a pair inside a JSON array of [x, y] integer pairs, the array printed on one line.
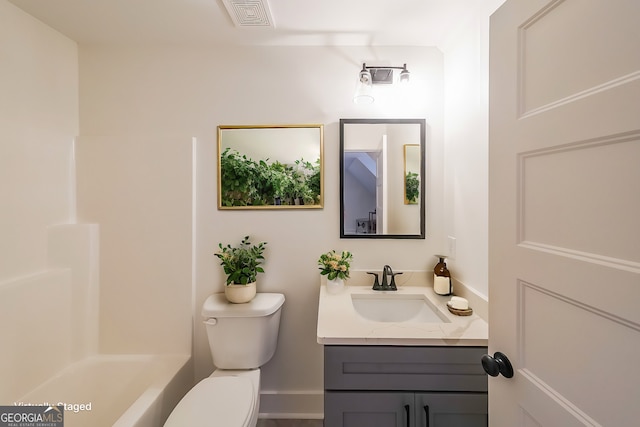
[[270, 166]]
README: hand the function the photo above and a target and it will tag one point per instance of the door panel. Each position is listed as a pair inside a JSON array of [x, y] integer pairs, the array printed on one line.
[[582, 198], [581, 36], [564, 258]]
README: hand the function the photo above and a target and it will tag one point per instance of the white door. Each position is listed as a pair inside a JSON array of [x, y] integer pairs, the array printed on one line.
[[382, 186], [564, 208]]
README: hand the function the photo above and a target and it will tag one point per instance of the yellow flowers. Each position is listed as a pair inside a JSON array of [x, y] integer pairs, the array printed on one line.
[[333, 264]]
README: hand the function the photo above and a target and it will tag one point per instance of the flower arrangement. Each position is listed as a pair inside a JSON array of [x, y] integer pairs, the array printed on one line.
[[242, 264], [335, 265]]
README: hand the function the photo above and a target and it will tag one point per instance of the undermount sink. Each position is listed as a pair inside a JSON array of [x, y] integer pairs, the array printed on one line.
[[396, 308]]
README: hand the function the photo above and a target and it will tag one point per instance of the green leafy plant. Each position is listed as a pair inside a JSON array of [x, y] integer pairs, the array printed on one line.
[[245, 182], [281, 182], [241, 264], [313, 179], [412, 187], [335, 265], [308, 178], [237, 178]]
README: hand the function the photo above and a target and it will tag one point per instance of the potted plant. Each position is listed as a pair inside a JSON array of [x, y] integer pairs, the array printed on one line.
[[336, 267], [241, 264]]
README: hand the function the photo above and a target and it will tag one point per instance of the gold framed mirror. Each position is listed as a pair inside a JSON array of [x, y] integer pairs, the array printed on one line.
[[270, 166]]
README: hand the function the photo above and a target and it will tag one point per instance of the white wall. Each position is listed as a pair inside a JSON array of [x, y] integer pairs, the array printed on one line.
[[138, 188], [466, 68], [156, 99], [39, 291], [38, 121]]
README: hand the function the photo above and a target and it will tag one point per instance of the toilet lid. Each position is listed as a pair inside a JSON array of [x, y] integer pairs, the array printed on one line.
[[218, 401]]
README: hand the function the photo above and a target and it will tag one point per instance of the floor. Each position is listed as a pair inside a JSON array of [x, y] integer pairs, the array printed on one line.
[[289, 423]]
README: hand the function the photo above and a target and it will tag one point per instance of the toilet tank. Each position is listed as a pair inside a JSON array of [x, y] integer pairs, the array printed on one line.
[[242, 336]]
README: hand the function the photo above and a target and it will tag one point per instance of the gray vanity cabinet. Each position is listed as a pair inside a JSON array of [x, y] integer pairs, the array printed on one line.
[[370, 409], [386, 386]]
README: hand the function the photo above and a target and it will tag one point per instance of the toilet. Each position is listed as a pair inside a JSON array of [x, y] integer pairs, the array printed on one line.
[[242, 338]]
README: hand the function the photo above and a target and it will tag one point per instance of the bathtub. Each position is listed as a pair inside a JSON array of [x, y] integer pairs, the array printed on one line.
[[116, 390]]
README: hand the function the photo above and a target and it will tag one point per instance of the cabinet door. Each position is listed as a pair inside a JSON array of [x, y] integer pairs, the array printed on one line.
[[368, 409], [451, 410]]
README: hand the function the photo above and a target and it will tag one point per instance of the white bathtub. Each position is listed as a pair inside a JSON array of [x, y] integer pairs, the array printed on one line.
[[116, 390]]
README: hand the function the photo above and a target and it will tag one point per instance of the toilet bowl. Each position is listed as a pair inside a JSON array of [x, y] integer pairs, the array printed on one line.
[[226, 398], [242, 337]]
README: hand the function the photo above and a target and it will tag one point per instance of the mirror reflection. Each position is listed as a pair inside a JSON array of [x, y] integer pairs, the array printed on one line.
[[382, 169], [411, 174], [270, 167]]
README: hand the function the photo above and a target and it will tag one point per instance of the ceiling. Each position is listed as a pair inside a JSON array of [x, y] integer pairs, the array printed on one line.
[[297, 22]]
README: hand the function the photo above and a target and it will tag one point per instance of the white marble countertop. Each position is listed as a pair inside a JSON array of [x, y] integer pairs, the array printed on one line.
[[340, 324]]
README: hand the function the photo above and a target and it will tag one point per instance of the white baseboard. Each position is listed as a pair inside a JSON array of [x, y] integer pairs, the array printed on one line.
[[303, 405]]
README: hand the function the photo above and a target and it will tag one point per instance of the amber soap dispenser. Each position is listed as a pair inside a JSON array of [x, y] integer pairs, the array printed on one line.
[[442, 278]]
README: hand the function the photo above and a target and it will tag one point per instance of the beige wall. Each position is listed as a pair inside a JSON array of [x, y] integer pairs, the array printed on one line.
[[138, 188], [38, 121], [466, 67], [154, 100]]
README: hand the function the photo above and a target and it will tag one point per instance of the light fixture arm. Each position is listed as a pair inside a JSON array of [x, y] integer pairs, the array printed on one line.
[[382, 67], [383, 74], [370, 75]]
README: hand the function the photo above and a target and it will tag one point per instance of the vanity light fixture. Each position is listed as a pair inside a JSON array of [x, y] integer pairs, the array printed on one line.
[[404, 75], [364, 89], [374, 75]]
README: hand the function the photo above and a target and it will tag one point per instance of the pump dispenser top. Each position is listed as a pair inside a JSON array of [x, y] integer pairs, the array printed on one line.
[[442, 278]]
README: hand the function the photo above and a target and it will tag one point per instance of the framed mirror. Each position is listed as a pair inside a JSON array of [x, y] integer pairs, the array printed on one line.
[[270, 167], [382, 178]]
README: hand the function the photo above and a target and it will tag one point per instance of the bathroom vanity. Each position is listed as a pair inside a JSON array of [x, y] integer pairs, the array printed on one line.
[[404, 368]]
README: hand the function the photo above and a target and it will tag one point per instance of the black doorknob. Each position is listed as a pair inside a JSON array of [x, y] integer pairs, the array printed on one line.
[[498, 364]]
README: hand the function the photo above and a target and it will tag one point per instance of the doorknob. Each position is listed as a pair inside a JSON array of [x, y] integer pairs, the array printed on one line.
[[498, 364]]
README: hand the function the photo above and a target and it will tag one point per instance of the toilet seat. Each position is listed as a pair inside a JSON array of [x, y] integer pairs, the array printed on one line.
[[215, 401]]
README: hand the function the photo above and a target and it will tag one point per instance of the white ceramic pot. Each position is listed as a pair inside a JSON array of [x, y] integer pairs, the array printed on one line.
[[240, 294], [335, 286]]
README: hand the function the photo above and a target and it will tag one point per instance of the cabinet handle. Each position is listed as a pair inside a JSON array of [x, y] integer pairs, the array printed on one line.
[[407, 409], [426, 415]]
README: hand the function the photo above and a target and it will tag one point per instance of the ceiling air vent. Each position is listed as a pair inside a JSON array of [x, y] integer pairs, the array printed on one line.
[[249, 13]]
